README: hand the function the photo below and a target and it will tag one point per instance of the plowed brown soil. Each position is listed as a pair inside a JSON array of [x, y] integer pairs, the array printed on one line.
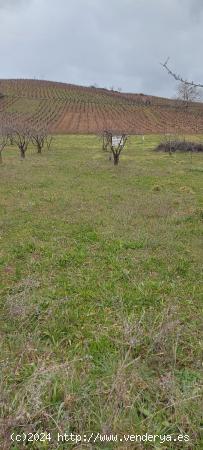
[[65, 108]]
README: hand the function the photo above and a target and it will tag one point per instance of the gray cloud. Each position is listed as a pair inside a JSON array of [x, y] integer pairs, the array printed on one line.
[[109, 42], [12, 4]]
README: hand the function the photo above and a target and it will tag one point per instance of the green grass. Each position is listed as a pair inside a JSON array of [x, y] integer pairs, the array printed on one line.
[[101, 293]]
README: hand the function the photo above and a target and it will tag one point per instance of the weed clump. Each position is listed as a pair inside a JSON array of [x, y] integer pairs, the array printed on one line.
[[186, 189], [179, 146], [156, 188]]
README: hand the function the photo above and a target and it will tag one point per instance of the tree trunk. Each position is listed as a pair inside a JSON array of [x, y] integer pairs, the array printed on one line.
[[39, 149], [22, 153], [115, 159]]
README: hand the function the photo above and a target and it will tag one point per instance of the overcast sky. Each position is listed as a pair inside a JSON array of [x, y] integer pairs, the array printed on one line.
[[116, 43]]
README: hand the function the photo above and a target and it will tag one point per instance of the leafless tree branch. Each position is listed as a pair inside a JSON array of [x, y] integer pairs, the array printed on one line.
[[179, 77]]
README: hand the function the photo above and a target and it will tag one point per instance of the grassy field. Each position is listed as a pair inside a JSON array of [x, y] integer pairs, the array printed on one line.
[[100, 294]]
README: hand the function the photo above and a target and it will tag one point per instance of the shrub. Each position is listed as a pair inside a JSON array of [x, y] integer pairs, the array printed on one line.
[[180, 146]]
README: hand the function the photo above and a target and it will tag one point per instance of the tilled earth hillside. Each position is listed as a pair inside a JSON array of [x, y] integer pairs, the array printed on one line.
[[70, 109]]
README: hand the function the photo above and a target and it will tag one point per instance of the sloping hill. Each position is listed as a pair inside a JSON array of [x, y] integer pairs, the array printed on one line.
[[66, 108]]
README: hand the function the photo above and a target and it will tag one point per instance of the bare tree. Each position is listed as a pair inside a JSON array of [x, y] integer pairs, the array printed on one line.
[[117, 149], [169, 142], [21, 137], [3, 142], [187, 93], [106, 140], [113, 144], [39, 139], [9, 132], [49, 140], [117, 145]]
